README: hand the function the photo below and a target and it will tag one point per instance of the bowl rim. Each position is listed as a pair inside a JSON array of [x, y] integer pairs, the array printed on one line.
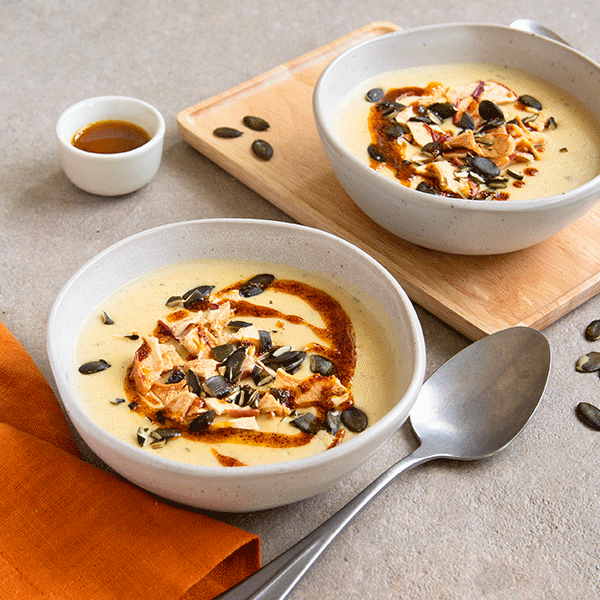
[[154, 141], [429, 200], [141, 457]]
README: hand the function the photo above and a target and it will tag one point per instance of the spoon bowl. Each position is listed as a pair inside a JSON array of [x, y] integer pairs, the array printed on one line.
[[502, 379], [470, 408]]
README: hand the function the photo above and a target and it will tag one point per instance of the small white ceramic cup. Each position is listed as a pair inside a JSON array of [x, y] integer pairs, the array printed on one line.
[[110, 174]]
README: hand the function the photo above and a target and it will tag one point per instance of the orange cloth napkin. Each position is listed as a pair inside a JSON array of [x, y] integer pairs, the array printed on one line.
[[71, 531]]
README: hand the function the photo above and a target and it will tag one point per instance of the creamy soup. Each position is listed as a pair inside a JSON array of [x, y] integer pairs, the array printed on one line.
[[472, 131], [241, 372]]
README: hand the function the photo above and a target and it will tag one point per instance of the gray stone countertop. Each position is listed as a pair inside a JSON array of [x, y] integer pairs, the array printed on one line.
[[522, 525]]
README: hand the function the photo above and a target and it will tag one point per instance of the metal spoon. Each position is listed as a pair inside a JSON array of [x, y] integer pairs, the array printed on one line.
[[471, 407], [534, 27]]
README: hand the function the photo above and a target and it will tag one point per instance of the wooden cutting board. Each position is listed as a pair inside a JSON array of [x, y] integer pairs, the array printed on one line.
[[477, 295]]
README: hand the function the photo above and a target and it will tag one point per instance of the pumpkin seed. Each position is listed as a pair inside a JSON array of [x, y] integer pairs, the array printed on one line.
[[588, 362], [333, 422], [174, 301], [354, 419], [142, 436], [217, 386], [256, 285], [589, 414], [322, 365], [224, 351], [255, 123], [176, 376], [193, 382], [530, 101], [262, 149], [198, 294], [202, 421], [466, 121], [483, 166], [94, 366], [265, 341], [374, 95], [227, 132], [237, 325], [307, 422], [375, 153], [489, 111], [444, 110], [592, 331], [167, 433]]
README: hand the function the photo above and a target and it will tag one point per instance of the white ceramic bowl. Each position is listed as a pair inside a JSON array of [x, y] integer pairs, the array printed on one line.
[[110, 174], [456, 225], [246, 488]]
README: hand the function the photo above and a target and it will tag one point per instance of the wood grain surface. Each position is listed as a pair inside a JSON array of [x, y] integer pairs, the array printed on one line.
[[477, 295]]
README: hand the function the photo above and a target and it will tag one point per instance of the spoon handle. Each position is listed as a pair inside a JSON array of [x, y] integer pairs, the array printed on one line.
[[276, 579]]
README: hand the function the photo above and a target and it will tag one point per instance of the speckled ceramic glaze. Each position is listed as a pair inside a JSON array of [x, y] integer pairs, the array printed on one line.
[[245, 488], [456, 225]]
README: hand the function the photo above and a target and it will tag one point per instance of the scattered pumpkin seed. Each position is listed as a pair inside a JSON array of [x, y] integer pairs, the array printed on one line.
[[375, 153], [515, 175], [426, 187], [530, 101], [444, 110], [237, 325], [234, 364], [142, 436], [168, 433], [176, 376], [217, 386], [256, 285], [489, 111], [433, 149], [588, 362], [193, 383], [592, 331], [483, 166], [262, 149], [202, 421], [321, 364], [261, 376], [589, 414], [174, 301], [255, 123], [227, 132], [466, 121], [333, 422], [390, 109], [265, 341], [94, 366], [106, 319], [374, 95], [196, 295], [394, 129], [307, 422], [354, 419]]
